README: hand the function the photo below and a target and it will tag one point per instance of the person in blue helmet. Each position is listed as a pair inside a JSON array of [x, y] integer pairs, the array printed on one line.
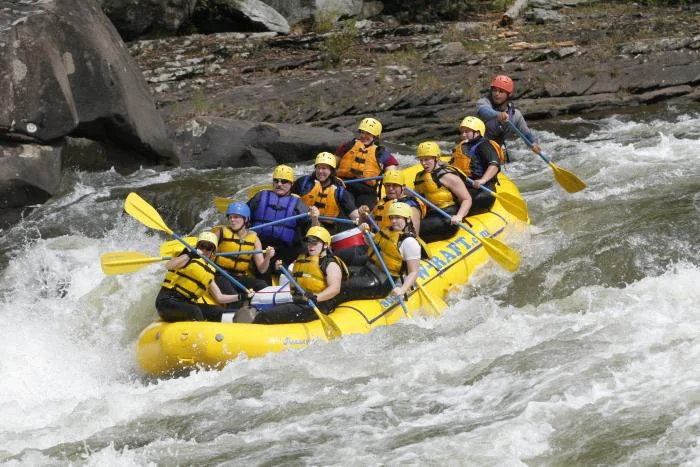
[[236, 237]]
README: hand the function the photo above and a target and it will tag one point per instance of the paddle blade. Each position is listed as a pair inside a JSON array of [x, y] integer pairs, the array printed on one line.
[[436, 303], [514, 205], [122, 262], [143, 212], [174, 247], [570, 182], [501, 253], [222, 203], [254, 190], [329, 327]]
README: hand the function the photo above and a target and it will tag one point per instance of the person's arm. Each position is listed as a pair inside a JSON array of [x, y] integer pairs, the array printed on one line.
[[521, 124], [387, 160], [334, 277], [221, 298], [485, 110], [415, 218], [178, 262], [410, 253], [347, 206], [459, 190], [262, 260], [491, 172], [489, 157]]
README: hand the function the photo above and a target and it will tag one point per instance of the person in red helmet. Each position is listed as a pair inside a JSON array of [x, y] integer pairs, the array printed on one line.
[[497, 108]]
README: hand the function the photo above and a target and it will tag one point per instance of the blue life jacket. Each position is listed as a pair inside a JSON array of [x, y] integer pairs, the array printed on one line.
[[271, 208], [498, 130]]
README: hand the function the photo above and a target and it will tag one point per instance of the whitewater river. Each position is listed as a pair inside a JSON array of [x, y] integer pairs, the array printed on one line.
[[588, 354]]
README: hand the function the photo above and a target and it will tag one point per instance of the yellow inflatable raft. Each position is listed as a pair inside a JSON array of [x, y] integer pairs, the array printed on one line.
[[170, 348]]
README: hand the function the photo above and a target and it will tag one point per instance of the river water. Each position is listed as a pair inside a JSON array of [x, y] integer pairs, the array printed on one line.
[[588, 354]]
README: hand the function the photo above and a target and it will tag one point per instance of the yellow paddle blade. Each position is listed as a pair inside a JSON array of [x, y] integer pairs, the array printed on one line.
[[514, 205], [222, 203], [329, 327], [435, 302], [252, 191], [143, 212], [122, 262], [501, 253], [570, 182], [174, 247]]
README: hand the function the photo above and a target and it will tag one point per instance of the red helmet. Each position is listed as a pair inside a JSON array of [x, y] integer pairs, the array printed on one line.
[[503, 82]]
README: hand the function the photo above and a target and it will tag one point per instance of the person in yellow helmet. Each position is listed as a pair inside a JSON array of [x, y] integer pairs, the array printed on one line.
[[362, 157], [277, 204], [319, 274], [394, 184], [189, 276], [445, 187], [324, 190], [497, 108], [478, 158]]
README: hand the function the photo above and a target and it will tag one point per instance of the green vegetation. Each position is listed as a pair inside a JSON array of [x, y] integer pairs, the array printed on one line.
[[200, 103], [338, 44]]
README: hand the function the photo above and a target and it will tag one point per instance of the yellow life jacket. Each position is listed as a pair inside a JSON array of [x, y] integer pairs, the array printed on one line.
[[382, 207], [310, 271], [229, 242], [325, 199], [388, 242], [192, 281], [428, 185], [463, 161], [360, 162]]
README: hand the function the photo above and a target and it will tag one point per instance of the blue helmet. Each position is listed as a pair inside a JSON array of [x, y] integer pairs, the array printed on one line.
[[239, 209]]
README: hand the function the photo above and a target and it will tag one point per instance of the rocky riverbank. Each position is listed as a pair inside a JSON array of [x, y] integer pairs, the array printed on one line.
[[574, 58]]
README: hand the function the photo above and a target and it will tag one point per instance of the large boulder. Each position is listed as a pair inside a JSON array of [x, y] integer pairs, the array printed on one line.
[[64, 71], [218, 142], [238, 15]]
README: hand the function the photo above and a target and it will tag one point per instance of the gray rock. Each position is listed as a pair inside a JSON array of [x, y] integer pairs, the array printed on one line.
[[134, 17], [220, 142]]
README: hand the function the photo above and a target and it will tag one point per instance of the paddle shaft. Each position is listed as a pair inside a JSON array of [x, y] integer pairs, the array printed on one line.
[[366, 179], [236, 253], [336, 219], [279, 221], [529, 143]]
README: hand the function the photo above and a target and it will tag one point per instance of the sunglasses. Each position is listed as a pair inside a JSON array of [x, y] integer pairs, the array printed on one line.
[[206, 246], [279, 180], [312, 241]]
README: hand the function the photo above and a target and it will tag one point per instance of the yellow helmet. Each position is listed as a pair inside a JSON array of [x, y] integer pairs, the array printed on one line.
[[428, 149], [320, 233], [395, 177], [399, 209], [208, 237], [326, 158], [284, 172], [474, 124], [371, 126]]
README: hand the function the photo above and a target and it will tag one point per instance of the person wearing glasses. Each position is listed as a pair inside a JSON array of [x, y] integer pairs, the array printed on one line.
[[362, 157], [189, 276], [319, 273], [277, 204]]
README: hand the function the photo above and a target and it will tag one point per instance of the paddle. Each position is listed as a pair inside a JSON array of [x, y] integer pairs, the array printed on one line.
[[174, 247], [365, 179], [122, 262], [369, 238], [337, 219], [566, 179], [143, 212], [505, 256], [437, 303], [279, 221], [510, 202], [221, 203], [330, 328]]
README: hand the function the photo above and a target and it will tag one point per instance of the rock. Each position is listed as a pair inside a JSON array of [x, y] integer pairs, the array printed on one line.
[[65, 71], [219, 142], [133, 18], [29, 173]]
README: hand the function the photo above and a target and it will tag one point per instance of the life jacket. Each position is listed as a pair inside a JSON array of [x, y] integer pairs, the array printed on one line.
[[271, 208], [192, 281], [469, 163], [496, 129], [326, 199], [428, 185], [310, 271], [382, 220], [388, 242], [231, 242], [359, 162]]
